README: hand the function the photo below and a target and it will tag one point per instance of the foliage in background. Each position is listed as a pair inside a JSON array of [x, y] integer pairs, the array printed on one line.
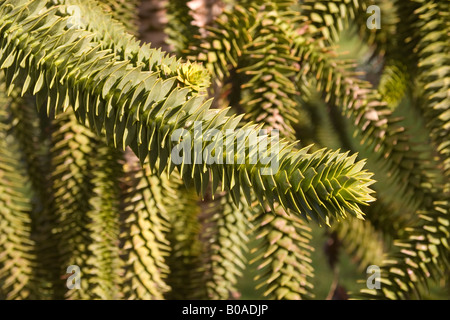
[[86, 177]]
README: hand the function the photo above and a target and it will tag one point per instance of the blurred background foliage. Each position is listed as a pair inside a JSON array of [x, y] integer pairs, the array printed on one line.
[[350, 40], [311, 69]]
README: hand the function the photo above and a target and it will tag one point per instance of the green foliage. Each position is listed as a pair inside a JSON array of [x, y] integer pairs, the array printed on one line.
[[162, 107], [433, 67], [180, 28], [123, 11], [80, 94], [186, 249], [224, 233], [73, 146], [18, 257], [144, 223], [283, 256]]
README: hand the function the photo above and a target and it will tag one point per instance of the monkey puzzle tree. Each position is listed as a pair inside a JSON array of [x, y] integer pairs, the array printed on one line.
[[90, 118]]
